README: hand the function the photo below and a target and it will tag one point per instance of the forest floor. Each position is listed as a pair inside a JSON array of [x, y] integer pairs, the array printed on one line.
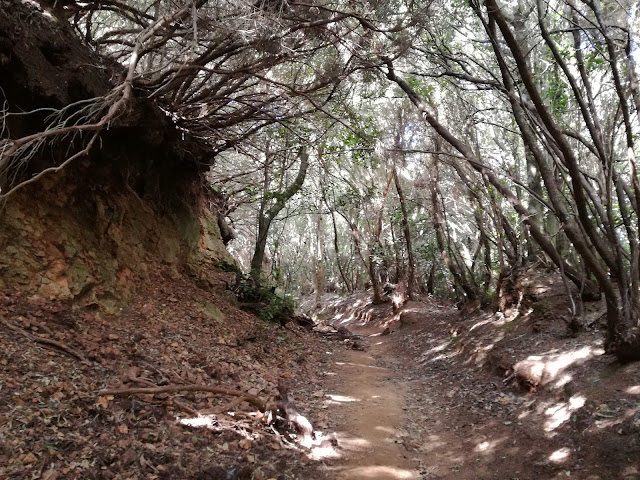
[[472, 394], [429, 392]]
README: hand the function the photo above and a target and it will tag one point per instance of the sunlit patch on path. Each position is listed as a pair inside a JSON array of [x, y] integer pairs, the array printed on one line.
[[371, 404]]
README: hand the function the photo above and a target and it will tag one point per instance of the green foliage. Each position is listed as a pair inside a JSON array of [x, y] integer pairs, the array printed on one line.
[[419, 86], [593, 60], [264, 301], [556, 92]]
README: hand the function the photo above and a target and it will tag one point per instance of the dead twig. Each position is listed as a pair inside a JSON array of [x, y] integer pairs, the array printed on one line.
[[185, 407], [45, 341], [252, 399], [223, 408]]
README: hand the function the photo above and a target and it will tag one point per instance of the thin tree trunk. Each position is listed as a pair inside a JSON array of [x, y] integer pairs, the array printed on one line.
[[590, 289], [336, 246], [265, 218], [458, 277], [319, 263], [411, 277]]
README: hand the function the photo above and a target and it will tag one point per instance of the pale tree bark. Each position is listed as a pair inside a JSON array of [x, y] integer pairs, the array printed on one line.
[[622, 333], [336, 247], [319, 269], [459, 278], [398, 147], [488, 175], [368, 262]]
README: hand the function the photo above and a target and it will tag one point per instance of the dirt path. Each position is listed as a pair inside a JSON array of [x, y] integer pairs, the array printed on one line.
[[403, 418], [416, 405], [372, 401]]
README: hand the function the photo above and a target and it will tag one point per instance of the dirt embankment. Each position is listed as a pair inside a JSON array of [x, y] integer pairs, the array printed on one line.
[[108, 281], [90, 233]]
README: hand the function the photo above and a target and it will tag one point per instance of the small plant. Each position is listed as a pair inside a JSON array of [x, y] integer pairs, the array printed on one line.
[[264, 301]]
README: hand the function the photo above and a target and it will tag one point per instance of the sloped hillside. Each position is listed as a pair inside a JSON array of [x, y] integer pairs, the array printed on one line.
[[90, 232], [108, 280]]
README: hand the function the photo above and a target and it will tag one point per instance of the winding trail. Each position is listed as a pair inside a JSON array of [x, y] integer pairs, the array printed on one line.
[[398, 417], [373, 403], [423, 402]]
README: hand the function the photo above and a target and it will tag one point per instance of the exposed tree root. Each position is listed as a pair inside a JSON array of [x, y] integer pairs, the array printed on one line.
[[301, 425], [45, 341], [283, 411], [223, 408]]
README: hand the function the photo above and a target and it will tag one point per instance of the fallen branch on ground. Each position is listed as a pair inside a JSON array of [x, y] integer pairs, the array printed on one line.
[[252, 399], [223, 408], [45, 341]]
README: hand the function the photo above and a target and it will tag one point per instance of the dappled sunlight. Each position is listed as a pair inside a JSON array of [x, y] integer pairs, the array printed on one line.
[[363, 365], [631, 473], [220, 424], [324, 447], [432, 442], [561, 412], [480, 354], [540, 370], [200, 421], [480, 323], [488, 447], [439, 348], [439, 352], [342, 398], [396, 300], [349, 314], [562, 381], [560, 456], [380, 472], [324, 453], [389, 430], [351, 443], [532, 424]]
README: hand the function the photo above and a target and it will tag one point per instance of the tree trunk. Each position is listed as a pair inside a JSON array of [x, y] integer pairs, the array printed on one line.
[[336, 246], [319, 263], [411, 275], [458, 277], [265, 218], [590, 289], [431, 278]]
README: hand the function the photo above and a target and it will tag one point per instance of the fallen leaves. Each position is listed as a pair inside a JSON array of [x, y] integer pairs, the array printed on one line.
[[29, 458], [50, 411], [245, 443]]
